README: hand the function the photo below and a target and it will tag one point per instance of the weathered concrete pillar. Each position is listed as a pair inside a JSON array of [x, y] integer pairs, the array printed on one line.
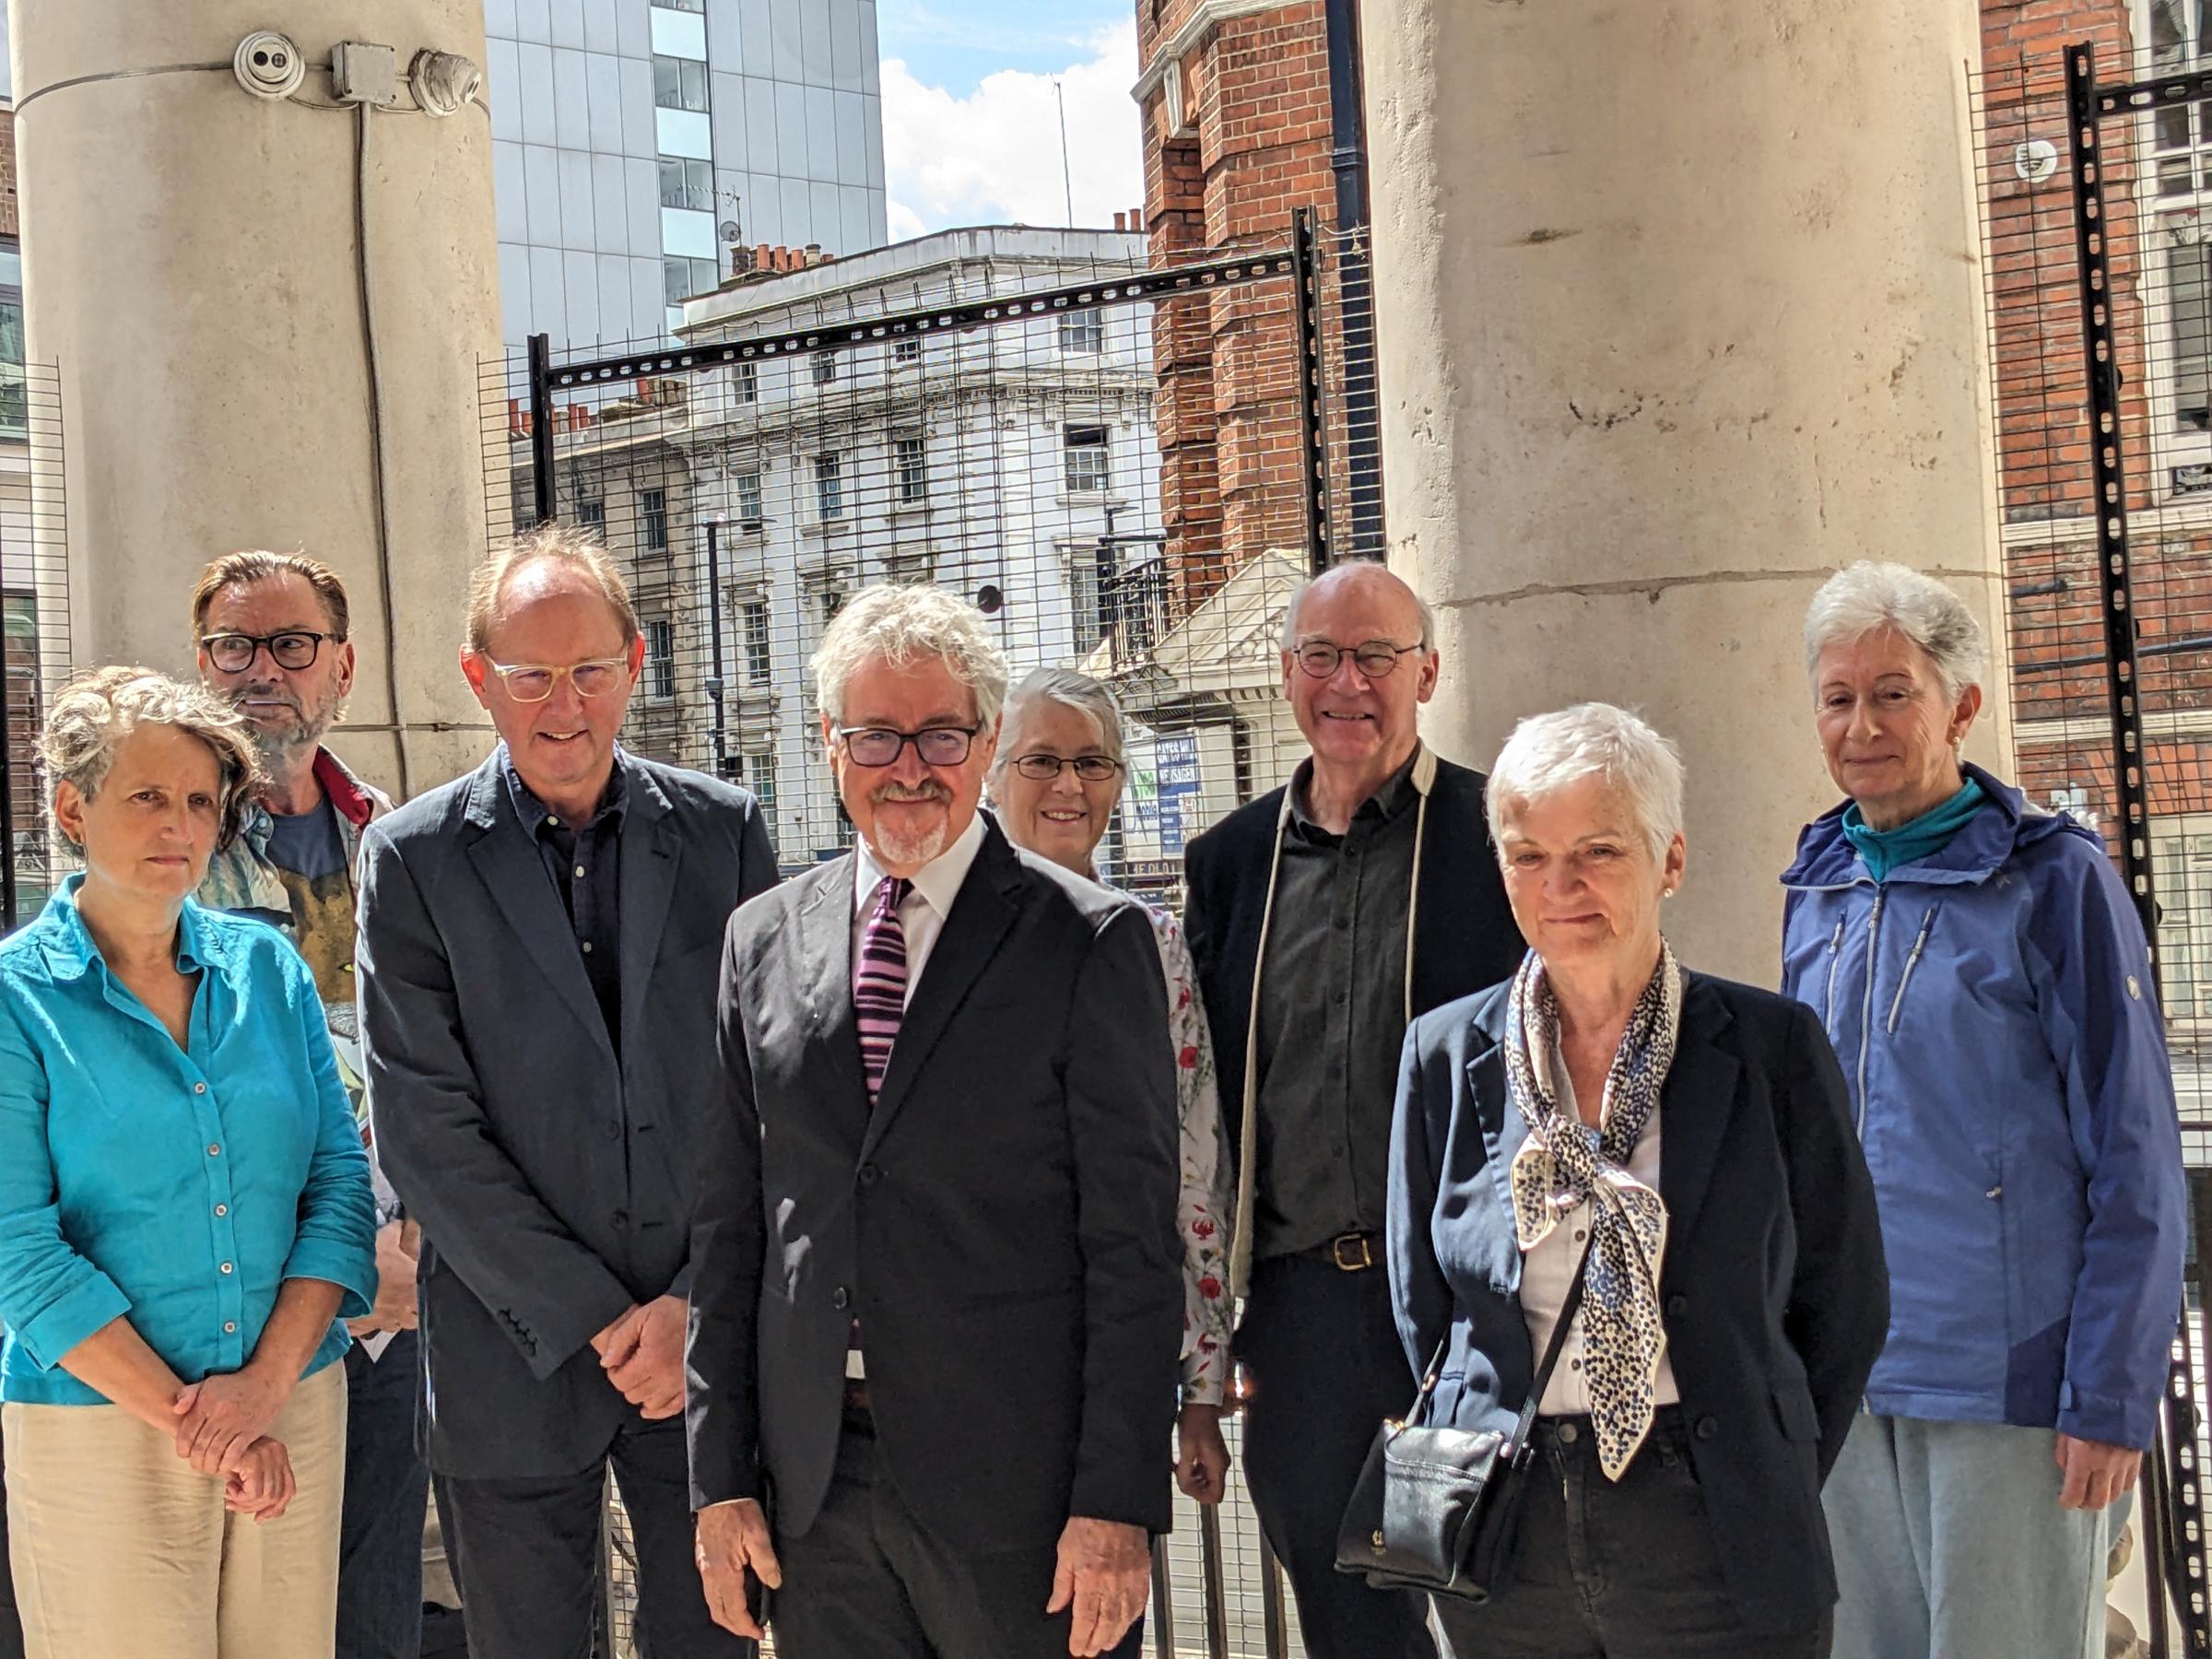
[[193, 262], [1679, 309]]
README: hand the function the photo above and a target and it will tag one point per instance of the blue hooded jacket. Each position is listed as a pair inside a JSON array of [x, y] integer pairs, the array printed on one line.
[[1993, 1008]]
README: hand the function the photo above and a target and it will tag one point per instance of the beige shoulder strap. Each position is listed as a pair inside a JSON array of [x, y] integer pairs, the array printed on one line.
[[1248, 1134]]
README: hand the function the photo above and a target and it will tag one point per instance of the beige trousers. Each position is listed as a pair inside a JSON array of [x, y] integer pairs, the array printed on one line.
[[120, 1551]]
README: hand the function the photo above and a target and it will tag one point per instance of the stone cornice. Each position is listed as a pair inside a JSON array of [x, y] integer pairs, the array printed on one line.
[[1208, 16]]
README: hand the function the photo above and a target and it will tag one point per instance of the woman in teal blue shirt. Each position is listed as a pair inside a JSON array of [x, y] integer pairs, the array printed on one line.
[[185, 1217]]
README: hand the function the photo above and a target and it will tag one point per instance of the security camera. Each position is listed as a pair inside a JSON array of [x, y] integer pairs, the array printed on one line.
[[268, 65]]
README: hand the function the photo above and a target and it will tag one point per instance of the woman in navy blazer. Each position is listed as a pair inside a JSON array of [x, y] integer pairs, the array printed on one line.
[[1692, 1135]]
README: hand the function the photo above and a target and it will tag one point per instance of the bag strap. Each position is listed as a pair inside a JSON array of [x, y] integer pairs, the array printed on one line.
[[1542, 1381], [1567, 1310]]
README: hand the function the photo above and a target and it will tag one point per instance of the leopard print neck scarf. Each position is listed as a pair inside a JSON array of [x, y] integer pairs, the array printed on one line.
[[1564, 1163]]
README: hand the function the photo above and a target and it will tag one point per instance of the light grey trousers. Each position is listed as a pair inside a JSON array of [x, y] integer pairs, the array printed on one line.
[[1951, 1544]]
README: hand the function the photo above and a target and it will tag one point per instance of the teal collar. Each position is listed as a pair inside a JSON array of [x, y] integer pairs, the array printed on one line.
[[1882, 851]]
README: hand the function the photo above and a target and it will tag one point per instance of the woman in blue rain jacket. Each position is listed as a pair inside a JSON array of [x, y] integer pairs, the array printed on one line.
[[1986, 984]]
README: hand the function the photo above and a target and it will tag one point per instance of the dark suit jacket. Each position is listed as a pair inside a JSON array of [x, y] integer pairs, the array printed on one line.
[[1003, 1225], [553, 1184], [1774, 1291], [1465, 936]]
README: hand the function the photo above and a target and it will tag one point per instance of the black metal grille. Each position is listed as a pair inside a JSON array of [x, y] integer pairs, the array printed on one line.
[[34, 614]]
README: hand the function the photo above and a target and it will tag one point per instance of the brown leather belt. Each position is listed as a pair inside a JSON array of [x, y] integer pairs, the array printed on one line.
[[1348, 1252]]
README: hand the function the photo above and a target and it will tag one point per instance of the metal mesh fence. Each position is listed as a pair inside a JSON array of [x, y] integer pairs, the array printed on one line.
[[34, 621], [2099, 288], [1016, 461], [1128, 472]]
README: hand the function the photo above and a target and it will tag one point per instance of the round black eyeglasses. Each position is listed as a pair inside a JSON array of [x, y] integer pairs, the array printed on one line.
[[1375, 659], [295, 649]]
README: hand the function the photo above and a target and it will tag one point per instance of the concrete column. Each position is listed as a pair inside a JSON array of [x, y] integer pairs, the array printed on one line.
[[1679, 309], [193, 262]]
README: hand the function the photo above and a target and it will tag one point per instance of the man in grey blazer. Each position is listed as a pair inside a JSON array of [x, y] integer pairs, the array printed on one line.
[[538, 952], [939, 1295]]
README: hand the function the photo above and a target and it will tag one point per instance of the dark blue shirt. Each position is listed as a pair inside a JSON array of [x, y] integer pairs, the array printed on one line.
[[585, 864]]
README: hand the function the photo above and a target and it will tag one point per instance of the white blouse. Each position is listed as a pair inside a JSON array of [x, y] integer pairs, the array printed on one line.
[[1548, 1269]]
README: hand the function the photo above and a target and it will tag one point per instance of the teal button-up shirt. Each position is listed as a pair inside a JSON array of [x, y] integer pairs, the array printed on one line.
[[178, 1187]]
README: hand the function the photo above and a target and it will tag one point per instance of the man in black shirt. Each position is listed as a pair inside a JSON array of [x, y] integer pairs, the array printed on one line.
[[540, 944], [1333, 910]]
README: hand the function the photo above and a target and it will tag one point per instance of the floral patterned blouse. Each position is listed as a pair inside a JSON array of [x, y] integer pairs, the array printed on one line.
[[1202, 1207]]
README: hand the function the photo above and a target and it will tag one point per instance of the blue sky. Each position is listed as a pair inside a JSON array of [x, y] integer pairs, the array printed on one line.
[[955, 43], [971, 118]]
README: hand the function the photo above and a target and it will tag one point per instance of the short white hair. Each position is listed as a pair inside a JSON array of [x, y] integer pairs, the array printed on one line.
[[1071, 689], [1866, 597], [902, 623], [1591, 740], [1298, 597]]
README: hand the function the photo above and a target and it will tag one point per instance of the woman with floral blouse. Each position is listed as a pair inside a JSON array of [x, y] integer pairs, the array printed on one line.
[[1054, 783]]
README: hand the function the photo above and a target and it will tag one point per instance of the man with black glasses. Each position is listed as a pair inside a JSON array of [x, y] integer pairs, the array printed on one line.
[[940, 1297], [271, 634], [539, 949], [1331, 911]]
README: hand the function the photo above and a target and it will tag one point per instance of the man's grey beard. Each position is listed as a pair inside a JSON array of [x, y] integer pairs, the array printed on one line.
[[279, 749]]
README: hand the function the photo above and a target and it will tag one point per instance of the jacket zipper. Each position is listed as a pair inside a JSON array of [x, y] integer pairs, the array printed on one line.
[[1835, 960], [1874, 933], [1897, 1003]]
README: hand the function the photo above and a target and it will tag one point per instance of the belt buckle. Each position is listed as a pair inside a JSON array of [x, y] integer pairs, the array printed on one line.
[[1348, 1264]]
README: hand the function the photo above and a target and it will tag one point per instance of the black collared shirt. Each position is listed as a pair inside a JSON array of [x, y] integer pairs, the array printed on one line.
[[585, 867], [1332, 1014]]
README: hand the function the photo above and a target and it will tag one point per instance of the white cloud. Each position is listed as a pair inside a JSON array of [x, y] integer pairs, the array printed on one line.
[[993, 157]]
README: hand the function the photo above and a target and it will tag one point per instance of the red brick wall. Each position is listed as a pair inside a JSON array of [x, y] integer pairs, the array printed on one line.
[[1256, 98]]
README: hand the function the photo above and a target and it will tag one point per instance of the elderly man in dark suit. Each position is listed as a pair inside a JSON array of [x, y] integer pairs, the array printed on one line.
[[938, 1304], [538, 1014]]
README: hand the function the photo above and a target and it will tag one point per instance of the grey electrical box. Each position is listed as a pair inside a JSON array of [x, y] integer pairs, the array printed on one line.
[[361, 73]]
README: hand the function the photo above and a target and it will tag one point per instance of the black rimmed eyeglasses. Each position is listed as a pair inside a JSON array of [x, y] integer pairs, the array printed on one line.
[[880, 746], [295, 648], [1373, 658]]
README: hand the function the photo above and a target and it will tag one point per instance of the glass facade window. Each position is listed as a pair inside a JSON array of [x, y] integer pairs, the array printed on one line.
[[758, 662], [686, 183], [682, 278], [14, 414], [592, 514], [747, 487], [906, 351], [1082, 332], [748, 382], [1087, 465], [912, 457], [829, 487], [825, 367], [682, 5], [652, 518], [679, 84], [660, 658]]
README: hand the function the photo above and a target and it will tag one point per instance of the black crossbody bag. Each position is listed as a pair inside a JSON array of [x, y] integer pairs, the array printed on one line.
[[1438, 1509]]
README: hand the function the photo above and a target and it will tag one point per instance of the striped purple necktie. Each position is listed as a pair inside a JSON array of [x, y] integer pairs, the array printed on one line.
[[879, 981]]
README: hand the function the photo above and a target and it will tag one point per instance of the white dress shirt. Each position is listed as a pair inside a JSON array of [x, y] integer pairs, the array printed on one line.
[[921, 913], [1547, 1270]]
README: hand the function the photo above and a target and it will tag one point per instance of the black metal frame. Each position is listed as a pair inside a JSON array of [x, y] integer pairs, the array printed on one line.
[[1313, 453], [1164, 284], [2173, 1526]]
